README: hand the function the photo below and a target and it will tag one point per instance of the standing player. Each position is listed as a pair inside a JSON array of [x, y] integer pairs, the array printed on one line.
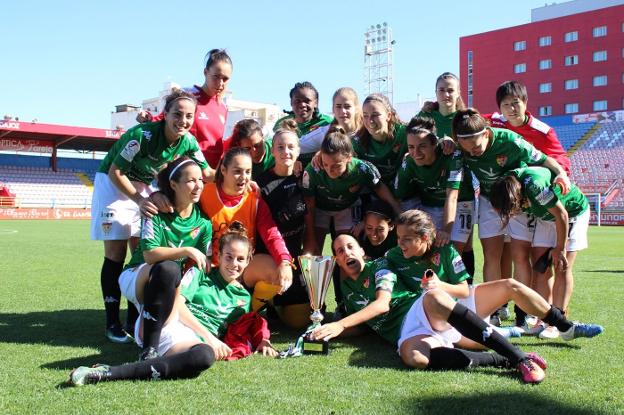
[[121, 191], [381, 141], [211, 112], [562, 221], [304, 103]]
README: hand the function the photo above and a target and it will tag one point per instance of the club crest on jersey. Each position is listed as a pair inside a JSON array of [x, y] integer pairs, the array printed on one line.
[[195, 232], [202, 116], [106, 227], [396, 147], [305, 181], [366, 283], [147, 135], [501, 160], [436, 258]]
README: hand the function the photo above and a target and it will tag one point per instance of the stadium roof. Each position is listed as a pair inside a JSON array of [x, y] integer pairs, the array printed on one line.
[[57, 136]]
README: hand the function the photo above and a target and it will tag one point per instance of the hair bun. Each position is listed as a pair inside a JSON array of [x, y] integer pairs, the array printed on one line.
[[236, 227]]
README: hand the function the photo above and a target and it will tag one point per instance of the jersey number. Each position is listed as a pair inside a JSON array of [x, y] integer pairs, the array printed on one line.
[[465, 220]]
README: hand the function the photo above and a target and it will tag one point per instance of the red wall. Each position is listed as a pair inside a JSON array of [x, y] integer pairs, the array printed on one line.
[[494, 58]]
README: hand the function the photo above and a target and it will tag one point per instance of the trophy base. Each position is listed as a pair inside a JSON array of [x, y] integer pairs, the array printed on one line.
[[315, 346]]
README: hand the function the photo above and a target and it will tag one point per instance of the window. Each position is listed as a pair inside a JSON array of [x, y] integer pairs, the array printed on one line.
[[545, 87], [545, 111], [571, 108], [571, 84], [600, 105], [545, 64], [600, 56], [545, 41], [600, 31], [520, 67], [469, 57], [600, 80], [520, 45], [571, 36], [571, 60]]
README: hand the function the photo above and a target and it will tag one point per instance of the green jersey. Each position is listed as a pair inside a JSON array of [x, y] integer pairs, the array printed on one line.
[[542, 195], [268, 161], [445, 261], [443, 123], [386, 156], [342, 192], [507, 151], [359, 293], [431, 182], [171, 230], [143, 151], [213, 301]]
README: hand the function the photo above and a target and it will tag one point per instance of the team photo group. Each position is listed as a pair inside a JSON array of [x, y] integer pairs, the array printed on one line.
[[214, 226]]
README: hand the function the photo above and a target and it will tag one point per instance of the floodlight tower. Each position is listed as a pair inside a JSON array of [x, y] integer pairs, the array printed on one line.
[[378, 45]]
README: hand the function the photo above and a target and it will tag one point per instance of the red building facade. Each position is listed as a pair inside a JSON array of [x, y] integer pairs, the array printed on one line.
[[570, 65]]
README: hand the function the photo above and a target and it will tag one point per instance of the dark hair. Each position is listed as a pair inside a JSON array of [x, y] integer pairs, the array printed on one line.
[[459, 104], [363, 134], [423, 124], [227, 159], [337, 142], [467, 122], [164, 176], [506, 197], [244, 128], [380, 208], [303, 85], [511, 89], [236, 231], [217, 55], [177, 94], [420, 224]]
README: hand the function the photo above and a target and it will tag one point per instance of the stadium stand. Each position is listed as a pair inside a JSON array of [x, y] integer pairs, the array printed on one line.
[[572, 133]]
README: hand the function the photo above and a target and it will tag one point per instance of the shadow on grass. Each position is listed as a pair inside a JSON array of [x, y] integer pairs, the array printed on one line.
[[611, 271], [525, 402], [69, 328]]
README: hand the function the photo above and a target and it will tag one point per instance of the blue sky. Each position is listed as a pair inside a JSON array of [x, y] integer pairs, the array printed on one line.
[[66, 62]]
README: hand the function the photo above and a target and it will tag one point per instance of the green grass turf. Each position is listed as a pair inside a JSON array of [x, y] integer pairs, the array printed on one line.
[[51, 320]]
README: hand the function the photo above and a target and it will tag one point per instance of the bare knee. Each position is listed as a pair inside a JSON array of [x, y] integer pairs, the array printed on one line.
[[415, 359]]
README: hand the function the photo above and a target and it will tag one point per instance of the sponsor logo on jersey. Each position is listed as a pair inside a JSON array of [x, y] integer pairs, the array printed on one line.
[[305, 181], [147, 230], [545, 196], [536, 155], [188, 276], [130, 150], [456, 175], [202, 116], [501, 160], [458, 265], [195, 232], [147, 135]]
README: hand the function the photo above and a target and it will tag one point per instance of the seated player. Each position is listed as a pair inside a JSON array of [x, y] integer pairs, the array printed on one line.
[[379, 234]]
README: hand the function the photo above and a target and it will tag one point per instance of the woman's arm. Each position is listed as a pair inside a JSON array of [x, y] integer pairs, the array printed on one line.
[[163, 253], [561, 177], [380, 306], [382, 191], [561, 224], [220, 349], [443, 236], [121, 181]]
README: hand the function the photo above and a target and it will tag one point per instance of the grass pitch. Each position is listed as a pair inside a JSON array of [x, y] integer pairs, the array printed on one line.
[[51, 320]]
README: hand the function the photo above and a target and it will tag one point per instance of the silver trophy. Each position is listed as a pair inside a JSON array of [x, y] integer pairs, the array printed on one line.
[[317, 274]]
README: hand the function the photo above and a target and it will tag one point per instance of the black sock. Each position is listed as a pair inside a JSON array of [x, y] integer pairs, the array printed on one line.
[[473, 327], [160, 293], [555, 317], [187, 364], [131, 317], [109, 280], [446, 358], [468, 259], [520, 315]]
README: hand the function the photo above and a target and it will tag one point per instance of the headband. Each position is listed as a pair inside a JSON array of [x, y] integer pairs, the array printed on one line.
[[471, 134], [175, 169]]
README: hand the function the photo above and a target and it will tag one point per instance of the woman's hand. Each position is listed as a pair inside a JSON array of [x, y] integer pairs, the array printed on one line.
[[147, 208], [162, 202], [563, 181], [197, 256], [442, 238], [429, 282], [143, 116], [316, 161], [266, 349], [284, 276], [448, 145], [560, 259], [327, 331], [298, 168], [220, 349]]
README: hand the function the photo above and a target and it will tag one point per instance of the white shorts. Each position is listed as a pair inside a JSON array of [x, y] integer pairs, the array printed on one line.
[[522, 227], [490, 222], [343, 219], [546, 233], [127, 284], [462, 226], [113, 215], [172, 333]]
